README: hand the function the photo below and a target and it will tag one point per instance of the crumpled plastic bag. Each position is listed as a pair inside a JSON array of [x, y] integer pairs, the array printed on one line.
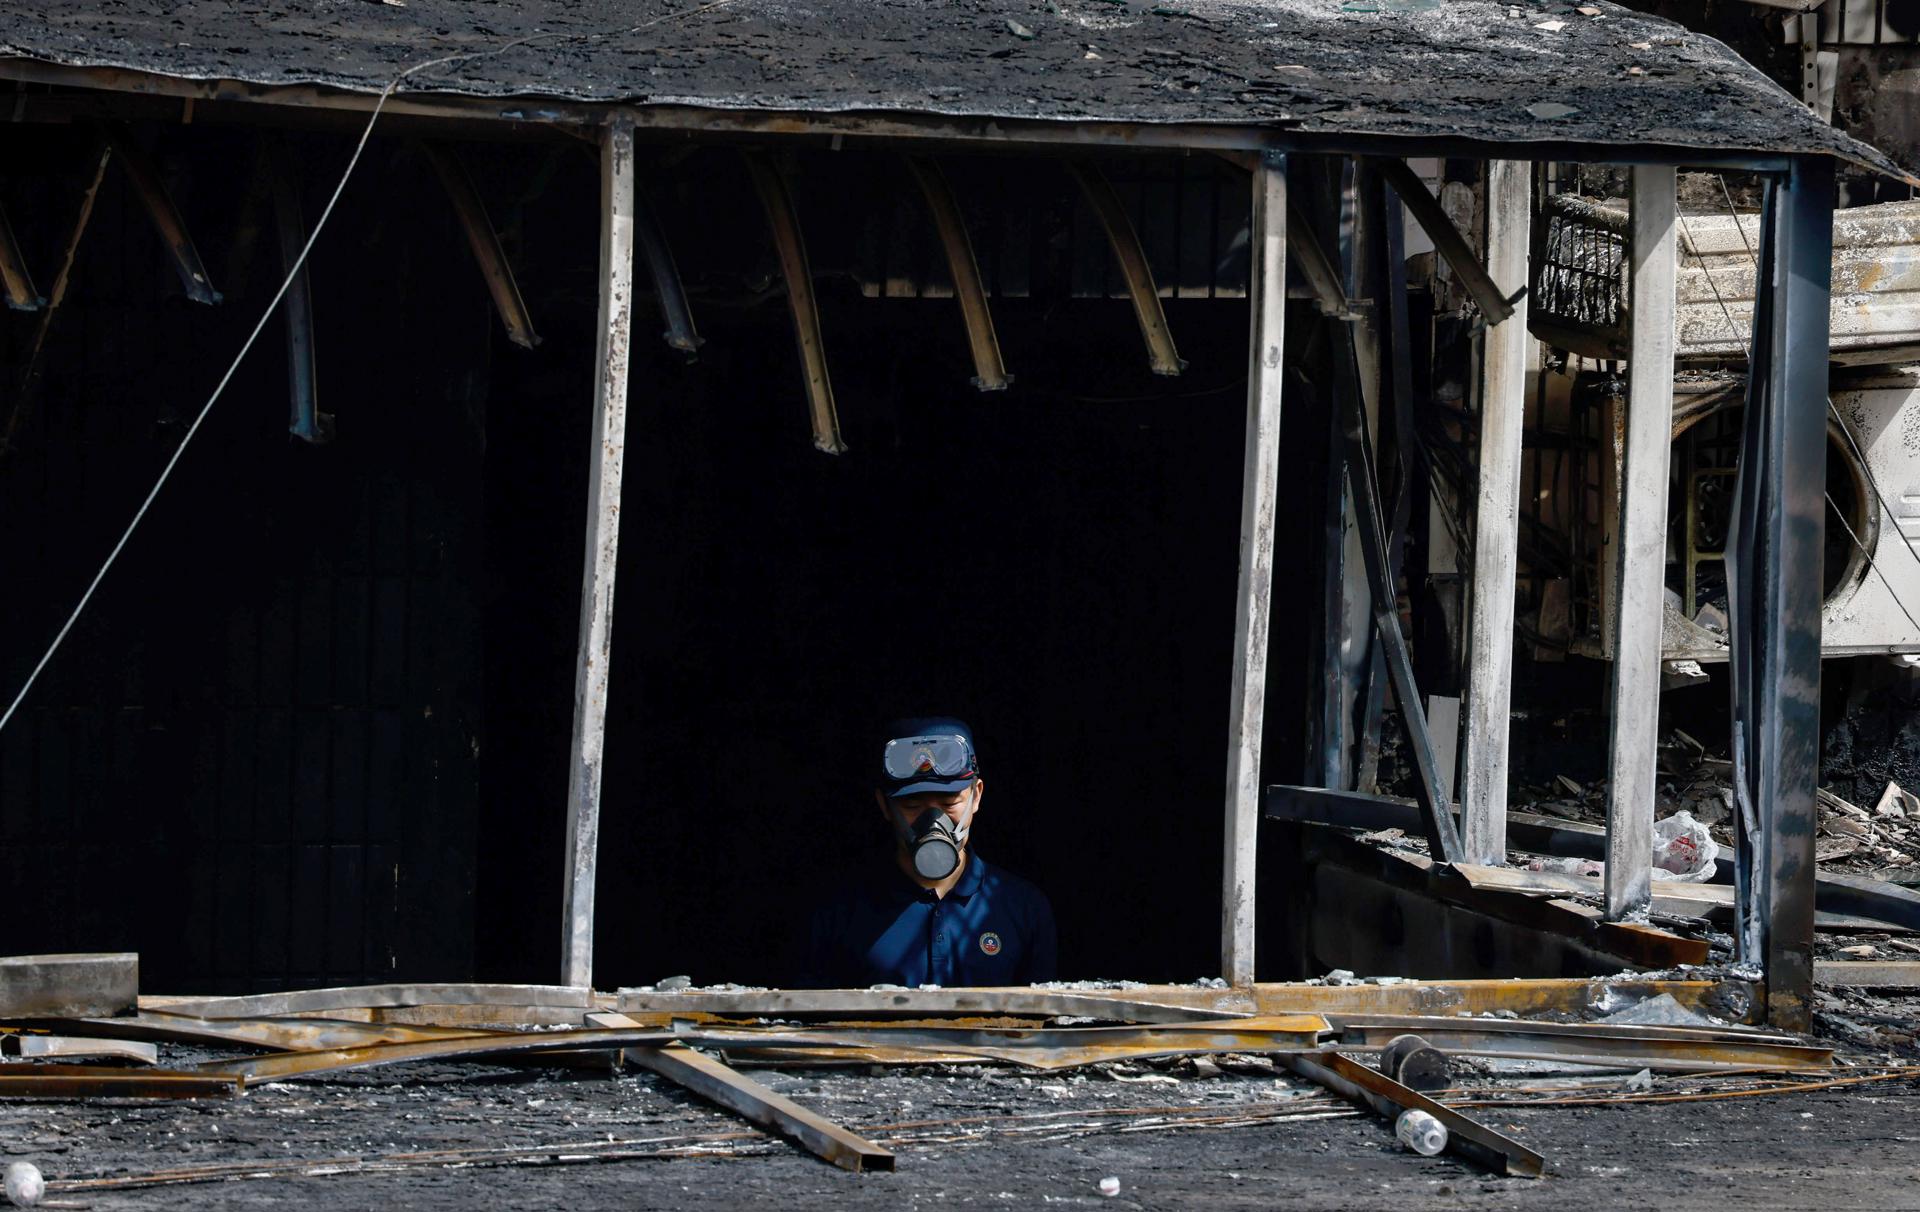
[[1683, 849]]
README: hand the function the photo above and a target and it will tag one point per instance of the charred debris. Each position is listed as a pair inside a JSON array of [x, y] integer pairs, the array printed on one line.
[[1594, 413]]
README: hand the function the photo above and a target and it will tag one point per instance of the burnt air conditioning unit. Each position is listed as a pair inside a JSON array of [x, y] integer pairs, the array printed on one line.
[[1872, 569], [1872, 566]]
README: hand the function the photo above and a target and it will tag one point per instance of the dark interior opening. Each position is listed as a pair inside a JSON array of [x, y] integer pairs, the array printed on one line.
[[315, 727]]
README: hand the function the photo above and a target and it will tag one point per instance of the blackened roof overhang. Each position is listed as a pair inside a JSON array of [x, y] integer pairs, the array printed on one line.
[[1456, 71]]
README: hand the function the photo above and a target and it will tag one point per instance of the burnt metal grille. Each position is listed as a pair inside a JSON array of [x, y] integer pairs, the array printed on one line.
[[1578, 298]]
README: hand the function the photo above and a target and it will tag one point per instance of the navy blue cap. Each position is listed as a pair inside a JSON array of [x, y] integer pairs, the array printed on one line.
[[934, 725]]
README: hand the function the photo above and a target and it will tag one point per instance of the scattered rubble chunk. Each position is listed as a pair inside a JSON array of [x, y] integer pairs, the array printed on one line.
[[1897, 804]]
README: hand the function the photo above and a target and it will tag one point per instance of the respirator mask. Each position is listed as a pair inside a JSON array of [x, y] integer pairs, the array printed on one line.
[[933, 843]]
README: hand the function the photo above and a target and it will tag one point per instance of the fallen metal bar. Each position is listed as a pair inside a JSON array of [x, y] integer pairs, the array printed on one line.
[[784, 222], [1446, 238], [1162, 357], [1868, 974], [1731, 998], [755, 1103], [1725, 997], [501, 1047], [1420, 1024], [68, 986], [45, 1046], [325, 1062], [667, 286], [1597, 945], [1553, 883], [279, 1034], [1436, 812], [989, 371], [1367, 1088], [1051, 1048], [304, 418], [1860, 896], [1122, 1005], [485, 243], [313, 1001], [166, 218], [1583, 1044], [1843, 896], [83, 1081], [15, 282]]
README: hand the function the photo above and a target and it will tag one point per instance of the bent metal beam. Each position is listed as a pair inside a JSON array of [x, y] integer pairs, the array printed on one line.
[[784, 222], [1162, 357], [989, 372]]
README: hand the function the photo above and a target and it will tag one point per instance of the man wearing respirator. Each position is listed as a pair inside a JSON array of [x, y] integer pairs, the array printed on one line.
[[934, 912]]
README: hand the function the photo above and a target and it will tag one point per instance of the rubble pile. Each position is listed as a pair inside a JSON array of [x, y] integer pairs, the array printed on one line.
[[1883, 841]]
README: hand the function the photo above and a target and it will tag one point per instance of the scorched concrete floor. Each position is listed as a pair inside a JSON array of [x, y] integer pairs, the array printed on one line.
[[1853, 1148]]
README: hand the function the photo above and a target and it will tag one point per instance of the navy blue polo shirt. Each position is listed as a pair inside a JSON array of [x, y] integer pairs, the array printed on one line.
[[992, 928]]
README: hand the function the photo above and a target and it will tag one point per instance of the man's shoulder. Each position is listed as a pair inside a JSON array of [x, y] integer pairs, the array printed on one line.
[[998, 882]]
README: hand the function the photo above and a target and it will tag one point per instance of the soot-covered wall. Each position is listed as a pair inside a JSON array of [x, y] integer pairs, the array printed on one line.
[[315, 727], [253, 760], [1055, 563]]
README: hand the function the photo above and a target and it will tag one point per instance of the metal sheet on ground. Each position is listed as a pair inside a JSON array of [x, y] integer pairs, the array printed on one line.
[[68, 986]]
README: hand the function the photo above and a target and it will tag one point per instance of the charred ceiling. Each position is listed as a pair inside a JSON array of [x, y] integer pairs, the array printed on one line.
[[1466, 70]]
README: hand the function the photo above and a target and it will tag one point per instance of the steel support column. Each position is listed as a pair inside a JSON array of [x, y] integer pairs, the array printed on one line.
[[1267, 295], [1639, 549], [1496, 520], [603, 546], [1775, 590]]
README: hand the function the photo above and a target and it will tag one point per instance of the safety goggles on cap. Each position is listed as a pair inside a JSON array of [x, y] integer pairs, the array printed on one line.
[[946, 756]]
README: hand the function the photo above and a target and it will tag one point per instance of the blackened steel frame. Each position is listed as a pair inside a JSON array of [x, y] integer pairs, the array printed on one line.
[[1775, 585]]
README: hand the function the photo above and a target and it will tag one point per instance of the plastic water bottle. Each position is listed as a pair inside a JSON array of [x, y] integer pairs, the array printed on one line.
[[1421, 1132], [23, 1184]]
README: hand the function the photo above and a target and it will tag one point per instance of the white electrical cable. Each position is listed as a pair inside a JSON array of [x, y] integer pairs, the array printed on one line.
[[286, 283]]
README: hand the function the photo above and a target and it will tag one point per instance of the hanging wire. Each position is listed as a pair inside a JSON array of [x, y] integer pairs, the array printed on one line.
[[293, 270]]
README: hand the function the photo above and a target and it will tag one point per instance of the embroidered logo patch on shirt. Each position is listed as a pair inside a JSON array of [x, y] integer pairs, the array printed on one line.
[[990, 943]]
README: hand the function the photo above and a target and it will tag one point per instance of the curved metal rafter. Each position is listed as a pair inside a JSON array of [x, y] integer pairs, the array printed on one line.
[[784, 223], [1125, 242], [989, 371]]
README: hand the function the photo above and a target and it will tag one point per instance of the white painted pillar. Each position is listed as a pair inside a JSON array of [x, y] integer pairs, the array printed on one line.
[[1267, 295], [1496, 536], [1639, 549], [603, 546]]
